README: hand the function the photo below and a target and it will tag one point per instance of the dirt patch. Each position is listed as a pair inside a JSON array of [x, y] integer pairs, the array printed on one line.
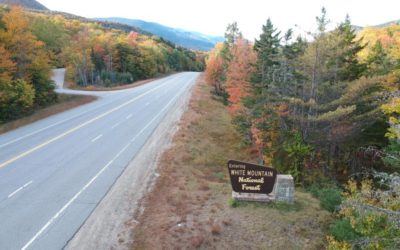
[[190, 205], [65, 102]]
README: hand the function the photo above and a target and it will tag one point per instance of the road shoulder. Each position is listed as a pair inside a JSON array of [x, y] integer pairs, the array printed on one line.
[[110, 224], [190, 205]]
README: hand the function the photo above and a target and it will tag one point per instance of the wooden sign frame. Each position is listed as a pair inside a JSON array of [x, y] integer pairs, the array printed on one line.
[[251, 178]]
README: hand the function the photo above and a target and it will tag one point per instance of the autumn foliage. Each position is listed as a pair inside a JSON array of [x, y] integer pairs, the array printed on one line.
[[238, 74], [31, 44], [215, 69]]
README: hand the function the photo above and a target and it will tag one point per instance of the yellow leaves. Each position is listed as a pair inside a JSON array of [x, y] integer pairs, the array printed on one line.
[[393, 107], [351, 188], [388, 36], [16, 20], [337, 245]]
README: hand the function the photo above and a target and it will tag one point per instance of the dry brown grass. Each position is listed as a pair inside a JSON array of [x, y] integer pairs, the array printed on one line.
[[64, 103], [188, 207]]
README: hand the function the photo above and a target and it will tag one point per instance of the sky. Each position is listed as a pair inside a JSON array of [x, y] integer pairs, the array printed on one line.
[[212, 16]]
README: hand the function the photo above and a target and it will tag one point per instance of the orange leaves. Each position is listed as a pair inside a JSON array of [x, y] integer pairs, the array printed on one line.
[[7, 67], [215, 69], [238, 74], [15, 20]]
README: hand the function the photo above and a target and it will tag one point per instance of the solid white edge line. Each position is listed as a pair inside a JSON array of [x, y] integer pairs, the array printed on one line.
[[78, 127], [95, 177], [19, 189], [65, 120]]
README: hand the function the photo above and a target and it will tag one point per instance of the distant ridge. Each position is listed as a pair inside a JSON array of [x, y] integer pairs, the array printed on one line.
[[383, 25], [29, 4], [187, 39]]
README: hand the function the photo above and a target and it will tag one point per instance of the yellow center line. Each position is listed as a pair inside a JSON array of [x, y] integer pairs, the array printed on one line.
[[15, 158]]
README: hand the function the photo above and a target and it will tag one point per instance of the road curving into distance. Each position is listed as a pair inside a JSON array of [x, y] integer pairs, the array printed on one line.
[[54, 172]]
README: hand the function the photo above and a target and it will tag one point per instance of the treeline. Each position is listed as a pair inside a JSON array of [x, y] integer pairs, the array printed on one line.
[[325, 110], [95, 55], [32, 43], [24, 67]]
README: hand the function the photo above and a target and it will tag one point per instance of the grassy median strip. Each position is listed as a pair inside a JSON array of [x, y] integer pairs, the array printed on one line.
[[190, 204], [65, 102]]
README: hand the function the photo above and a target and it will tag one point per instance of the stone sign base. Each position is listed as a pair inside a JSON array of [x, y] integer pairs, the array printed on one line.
[[252, 197], [283, 192]]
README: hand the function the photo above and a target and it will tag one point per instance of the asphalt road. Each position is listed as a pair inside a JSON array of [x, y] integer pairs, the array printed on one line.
[[54, 172]]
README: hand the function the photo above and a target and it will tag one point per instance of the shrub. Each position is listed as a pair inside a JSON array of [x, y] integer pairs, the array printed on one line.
[[330, 196], [330, 199], [16, 99], [342, 230], [233, 203]]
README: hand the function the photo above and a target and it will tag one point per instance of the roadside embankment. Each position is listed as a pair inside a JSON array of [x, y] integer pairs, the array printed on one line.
[[190, 205]]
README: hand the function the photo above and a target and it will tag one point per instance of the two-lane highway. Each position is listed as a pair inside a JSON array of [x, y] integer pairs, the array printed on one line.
[[54, 172]]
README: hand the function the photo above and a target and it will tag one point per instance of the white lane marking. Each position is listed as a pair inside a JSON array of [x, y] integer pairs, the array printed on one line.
[[73, 199], [77, 128], [98, 137], [40, 232], [115, 125], [65, 120], [147, 104], [129, 116], [19, 189], [159, 114]]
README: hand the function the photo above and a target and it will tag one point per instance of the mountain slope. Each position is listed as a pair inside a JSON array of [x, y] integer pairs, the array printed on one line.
[[383, 25], [188, 39], [30, 4]]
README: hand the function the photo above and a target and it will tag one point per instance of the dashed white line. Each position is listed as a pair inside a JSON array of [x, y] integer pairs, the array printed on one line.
[[73, 199], [115, 125], [98, 137], [129, 116], [19, 189], [147, 104], [41, 231], [15, 158]]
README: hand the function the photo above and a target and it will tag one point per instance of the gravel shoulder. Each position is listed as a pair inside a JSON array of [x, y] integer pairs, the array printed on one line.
[[110, 225]]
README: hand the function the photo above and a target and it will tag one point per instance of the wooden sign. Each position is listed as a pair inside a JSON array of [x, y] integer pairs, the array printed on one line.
[[250, 178]]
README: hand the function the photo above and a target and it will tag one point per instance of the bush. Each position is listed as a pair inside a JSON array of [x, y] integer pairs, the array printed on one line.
[[233, 203], [16, 99], [342, 230], [330, 199]]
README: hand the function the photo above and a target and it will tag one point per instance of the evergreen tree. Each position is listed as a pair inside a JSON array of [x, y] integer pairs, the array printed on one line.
[[378, 60]]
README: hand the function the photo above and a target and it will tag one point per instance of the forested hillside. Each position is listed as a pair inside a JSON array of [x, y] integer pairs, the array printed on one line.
[[325, 110], [30, 4], [187, 39], [33, 43]]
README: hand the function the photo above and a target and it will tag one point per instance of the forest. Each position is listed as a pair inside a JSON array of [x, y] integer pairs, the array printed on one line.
[[325, 108], [33, 43]]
